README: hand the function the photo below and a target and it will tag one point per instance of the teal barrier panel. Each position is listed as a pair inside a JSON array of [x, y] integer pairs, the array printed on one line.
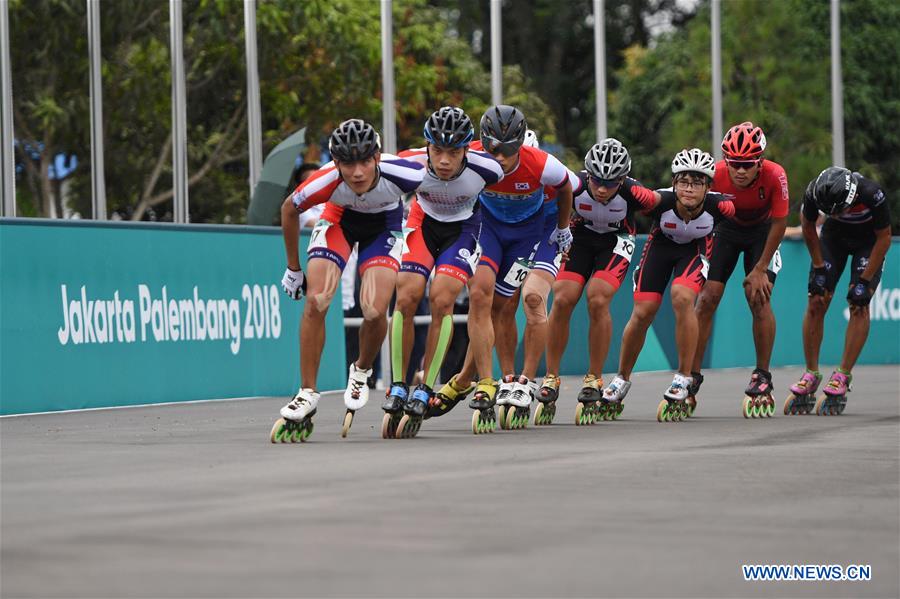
[[112, 314], [731, 344]]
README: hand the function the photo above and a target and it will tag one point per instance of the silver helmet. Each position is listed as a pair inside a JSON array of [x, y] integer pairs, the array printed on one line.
[[694, 160], [608, 159]]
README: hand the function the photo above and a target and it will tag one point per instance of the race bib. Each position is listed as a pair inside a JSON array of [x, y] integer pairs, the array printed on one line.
[[557, 262], [624, 246], [317, 238], [517, 273], [474, 257], [775, 262], [399, 245], [704, 266]]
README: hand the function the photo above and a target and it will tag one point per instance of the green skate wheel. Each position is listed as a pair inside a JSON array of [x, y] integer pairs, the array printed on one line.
[[747, 406], [662, 411]]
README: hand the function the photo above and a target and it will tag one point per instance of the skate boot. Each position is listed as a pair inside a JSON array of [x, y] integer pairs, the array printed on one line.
[[612, 398], [802, 399], [356, 395], [587, 411], [505, 388], [758, 401], [546, 407], [517, 411], [414, 412], [394, 400], [296, 422], [484, 419], [673, 406], [446, 398], [691, 401], [834, 394]]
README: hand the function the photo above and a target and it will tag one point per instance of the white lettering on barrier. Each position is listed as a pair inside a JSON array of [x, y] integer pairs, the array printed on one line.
[[162, 318], [885, 305]]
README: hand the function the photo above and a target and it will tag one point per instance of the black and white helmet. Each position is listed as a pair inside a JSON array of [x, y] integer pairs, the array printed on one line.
[[353, 140], [694, 160], [531, 139], [834, 189], [449, 127], [608, 160]]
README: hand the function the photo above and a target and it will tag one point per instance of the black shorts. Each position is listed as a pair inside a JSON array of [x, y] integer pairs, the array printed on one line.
[[661, 259], [729, 240], [837, 246], [603, 256]]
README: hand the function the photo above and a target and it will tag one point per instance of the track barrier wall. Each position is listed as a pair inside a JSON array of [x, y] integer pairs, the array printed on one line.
[[731, 343], [113, 314]]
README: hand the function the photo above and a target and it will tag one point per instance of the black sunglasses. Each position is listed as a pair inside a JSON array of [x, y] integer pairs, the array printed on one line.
[[744, 164], [494, 146], [607, 183]]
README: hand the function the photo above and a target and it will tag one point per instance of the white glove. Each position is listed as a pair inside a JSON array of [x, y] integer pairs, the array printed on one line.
[[562, 238], [294, 283]]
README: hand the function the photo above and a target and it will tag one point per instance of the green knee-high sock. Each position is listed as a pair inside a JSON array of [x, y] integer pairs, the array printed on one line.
[[397, 348], [441, 350]]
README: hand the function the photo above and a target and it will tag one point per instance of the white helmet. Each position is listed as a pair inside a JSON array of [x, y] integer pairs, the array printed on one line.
[[531, 139], [608, 159], [694, 160]]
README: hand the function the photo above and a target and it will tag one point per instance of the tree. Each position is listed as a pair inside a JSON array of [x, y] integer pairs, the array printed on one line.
[[319, 63]]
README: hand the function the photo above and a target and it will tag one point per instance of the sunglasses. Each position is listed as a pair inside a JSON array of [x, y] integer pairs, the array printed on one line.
[[495, 146], [742, 164], [607, 183]]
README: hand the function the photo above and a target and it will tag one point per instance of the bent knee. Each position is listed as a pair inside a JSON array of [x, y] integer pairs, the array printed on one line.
[[535, 307]]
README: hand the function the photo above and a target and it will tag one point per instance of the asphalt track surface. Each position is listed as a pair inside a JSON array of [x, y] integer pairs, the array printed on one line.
[[192, 500]]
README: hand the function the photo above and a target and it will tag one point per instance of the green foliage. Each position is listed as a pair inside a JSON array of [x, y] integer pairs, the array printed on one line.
[[319, 63], [776, 73]]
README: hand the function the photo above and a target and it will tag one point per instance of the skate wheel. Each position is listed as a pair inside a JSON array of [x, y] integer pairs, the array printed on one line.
[[820, 406], [747, 407], [511, 421], [771, 406], [348, 420], [789, 405], [476, 423], [538, 414], [402, 432], [276, 435], [662, 411], [387, 426], [502, 414], [306, 431], [691, 403], [580, 417]]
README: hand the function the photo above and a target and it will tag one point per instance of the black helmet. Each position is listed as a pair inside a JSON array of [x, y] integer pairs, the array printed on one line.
[[834, 189], [449, 127], [353, 140], [503, 129]]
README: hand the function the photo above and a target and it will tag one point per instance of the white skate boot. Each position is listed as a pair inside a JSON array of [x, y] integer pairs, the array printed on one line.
[[673, 406], [613, 395], [296, 422], [505, 388], [356, 395], [517, 410]]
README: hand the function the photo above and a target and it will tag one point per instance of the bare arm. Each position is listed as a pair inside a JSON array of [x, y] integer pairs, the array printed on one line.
[[290, 228], [879, 250], [776, 234]]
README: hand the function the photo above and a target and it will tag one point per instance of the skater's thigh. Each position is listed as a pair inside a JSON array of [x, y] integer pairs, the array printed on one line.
[[323, 276], [410, 289], [376, 289]]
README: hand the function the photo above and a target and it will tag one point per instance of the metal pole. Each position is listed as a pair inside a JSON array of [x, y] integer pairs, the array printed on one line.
[[600, 67], [496, 54], [7, 158], [388, 108], [837, 87], [717, 78], [254, 110], [179, 115], [389, 137], [98, 177]]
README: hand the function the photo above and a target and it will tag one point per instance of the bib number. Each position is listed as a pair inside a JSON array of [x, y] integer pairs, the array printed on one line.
[[517, 273], [704, 266], [399, 246], [775, 262], [474, 257], [625, 247], [317, 238]]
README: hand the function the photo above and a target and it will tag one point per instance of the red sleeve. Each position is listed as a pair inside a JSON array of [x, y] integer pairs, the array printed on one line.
[[778, 188], [726, 207], [317, 189]]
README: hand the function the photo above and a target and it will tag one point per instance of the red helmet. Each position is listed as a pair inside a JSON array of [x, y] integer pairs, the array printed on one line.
[[745, 141]]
